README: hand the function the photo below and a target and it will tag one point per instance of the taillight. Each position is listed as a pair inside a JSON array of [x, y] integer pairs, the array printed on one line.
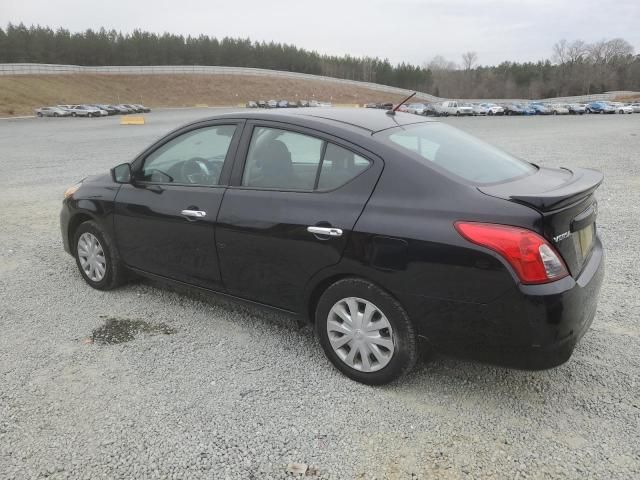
[[529, 254]]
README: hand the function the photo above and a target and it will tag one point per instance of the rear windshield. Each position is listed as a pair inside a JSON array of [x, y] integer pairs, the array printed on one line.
[[458, 153]]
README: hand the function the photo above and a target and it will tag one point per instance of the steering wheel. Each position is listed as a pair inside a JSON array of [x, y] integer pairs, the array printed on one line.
[[195, 171]]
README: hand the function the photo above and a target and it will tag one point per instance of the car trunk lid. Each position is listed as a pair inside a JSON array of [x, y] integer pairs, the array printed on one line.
[[565, 199]]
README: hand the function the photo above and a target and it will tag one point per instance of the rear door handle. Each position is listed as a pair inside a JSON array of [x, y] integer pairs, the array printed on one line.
[[329, 231], [194, 213]]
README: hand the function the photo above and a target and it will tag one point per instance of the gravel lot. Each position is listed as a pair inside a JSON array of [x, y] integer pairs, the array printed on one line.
[[217, 390]]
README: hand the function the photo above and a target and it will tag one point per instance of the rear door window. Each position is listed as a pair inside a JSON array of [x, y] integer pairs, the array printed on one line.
[[286, 160], [458, 153]]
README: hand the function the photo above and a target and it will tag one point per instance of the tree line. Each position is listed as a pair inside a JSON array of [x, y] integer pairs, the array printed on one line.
[[576, 67]]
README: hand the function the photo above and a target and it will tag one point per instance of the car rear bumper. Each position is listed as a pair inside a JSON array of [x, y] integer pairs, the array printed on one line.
[[530, 327]]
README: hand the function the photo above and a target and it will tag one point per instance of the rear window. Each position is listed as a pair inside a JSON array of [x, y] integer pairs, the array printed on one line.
[[458, 153]]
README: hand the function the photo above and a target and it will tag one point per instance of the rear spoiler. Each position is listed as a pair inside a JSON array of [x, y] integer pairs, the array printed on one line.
[[549, 189]]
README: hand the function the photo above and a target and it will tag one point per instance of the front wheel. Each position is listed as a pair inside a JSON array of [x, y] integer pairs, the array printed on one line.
[[74, 114], [365, 332], [97, 257]]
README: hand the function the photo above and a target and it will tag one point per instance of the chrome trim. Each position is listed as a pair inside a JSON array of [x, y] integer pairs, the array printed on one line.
[[330, 231], [193, 213]]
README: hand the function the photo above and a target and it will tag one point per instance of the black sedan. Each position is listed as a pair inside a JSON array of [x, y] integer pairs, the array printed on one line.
[[382, 230]]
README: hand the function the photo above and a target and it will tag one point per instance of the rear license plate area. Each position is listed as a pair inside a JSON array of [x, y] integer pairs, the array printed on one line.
[[585, 239]]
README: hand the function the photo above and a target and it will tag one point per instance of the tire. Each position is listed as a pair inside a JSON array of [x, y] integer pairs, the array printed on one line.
[[74, 114], [400, 333], [114, 271], [490, 113], [39, 114], [55, 114]]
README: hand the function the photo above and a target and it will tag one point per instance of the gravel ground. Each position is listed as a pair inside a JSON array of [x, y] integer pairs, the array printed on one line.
[[210, 389]]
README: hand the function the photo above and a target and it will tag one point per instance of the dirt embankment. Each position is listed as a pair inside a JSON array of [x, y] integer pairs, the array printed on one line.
[[20, 94]]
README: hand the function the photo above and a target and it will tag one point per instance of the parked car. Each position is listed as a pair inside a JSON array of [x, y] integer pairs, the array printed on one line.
[[142, 108], [401, 108], [480, 109], [416, 108], [378, 229], [251, 104], [513, 109], [371, 105], [52, 112], [283, 104], [558, 109], [577, 108], [430, 109], [621, 107], [636, 107], [272, 104], [110, 109], [122, 109], [86, 111], [262, 104], [540, 108], [133, 108], [493, 109], [303, 103], [452, 107], [600, 107]]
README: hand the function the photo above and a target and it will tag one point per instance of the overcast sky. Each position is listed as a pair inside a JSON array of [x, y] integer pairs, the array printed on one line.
[[402, 30]]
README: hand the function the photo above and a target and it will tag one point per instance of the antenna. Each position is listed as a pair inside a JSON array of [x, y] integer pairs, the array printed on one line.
[[393, 112]]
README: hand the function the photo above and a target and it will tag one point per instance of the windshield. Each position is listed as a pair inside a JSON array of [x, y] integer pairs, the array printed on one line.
[[458, 153]]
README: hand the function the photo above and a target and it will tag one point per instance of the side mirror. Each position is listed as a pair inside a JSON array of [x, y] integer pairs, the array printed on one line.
[[122, 173]]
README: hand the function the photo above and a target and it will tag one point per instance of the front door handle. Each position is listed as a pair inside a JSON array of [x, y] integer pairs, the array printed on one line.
[[330, 231], [193, 213]]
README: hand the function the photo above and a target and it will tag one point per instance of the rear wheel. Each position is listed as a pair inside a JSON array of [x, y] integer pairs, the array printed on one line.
[[365, 332], [74, 114], [97, 257]]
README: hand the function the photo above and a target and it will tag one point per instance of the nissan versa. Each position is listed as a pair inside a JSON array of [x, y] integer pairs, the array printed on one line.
[[380, 229]]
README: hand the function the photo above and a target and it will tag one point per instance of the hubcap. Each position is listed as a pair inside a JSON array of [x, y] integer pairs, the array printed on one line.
[[360, 334], [91, 256]]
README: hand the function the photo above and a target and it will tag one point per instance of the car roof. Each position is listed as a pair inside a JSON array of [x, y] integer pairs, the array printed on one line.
[[371, 120]]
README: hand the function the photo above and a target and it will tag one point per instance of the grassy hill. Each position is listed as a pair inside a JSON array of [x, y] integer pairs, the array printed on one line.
[[20, 94]]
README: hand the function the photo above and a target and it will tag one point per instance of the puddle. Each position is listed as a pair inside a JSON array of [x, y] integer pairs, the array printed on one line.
[[121, 330]]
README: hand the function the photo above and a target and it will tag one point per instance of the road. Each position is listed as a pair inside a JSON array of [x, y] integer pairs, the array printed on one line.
[[204, 388]]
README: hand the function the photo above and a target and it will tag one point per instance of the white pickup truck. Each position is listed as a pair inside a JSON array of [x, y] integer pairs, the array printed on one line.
[[453, 107]]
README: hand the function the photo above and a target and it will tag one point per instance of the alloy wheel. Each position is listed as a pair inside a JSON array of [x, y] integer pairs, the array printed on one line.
[[360, 334], [91, 256]]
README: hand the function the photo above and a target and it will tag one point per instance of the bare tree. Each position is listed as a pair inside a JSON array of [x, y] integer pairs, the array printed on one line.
[[439, 63], [576, 51], [469, 60], [560, 52], [617, 48]]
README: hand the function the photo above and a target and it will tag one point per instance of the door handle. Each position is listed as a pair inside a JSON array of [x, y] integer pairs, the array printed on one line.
[[193, 213], [330, 231]]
